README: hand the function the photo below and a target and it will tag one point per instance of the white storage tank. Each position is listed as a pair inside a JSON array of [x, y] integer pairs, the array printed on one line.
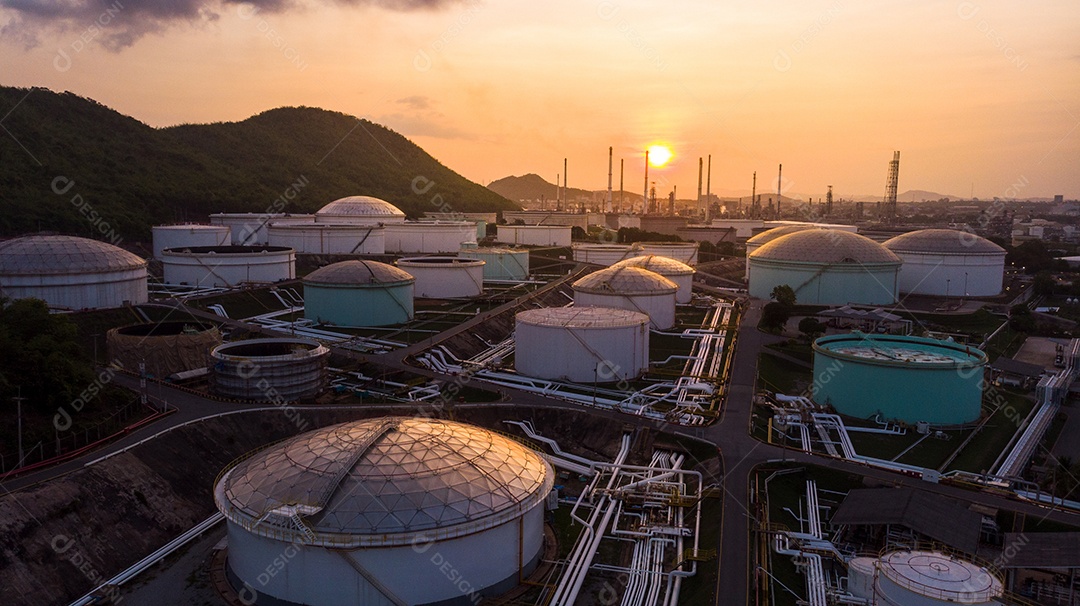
[[269, 370], [687, 252], [385, 511], [428, 237], [500, 263], [630, 288], [71, 273], [948, 263], [678, 272], [535, 235], [189, 234], [445, 277], [358, 293], [771, 234], [361, 210], [329, 238], [246, 229], [924, 578], [603, 254], [581, 344], [227, 266]]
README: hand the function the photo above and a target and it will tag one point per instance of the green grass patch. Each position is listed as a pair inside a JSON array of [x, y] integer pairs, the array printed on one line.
[[801, 350], [981, 452], [782, 376]]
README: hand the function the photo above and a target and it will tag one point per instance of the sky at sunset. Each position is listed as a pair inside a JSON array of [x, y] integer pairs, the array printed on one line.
[[979, 95]]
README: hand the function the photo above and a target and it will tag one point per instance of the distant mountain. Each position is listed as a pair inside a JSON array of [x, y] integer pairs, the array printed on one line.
[[73, 165], [532, 187]]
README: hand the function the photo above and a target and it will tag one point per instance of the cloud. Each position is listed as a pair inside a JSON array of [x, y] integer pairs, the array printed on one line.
[[431, 124], [415, 102], [117, 24]]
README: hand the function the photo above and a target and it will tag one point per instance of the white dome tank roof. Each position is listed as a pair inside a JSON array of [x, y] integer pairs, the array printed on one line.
[[771, 234], [625, 281], [664, 266], [51, 254], [386, 479], [826, 246], [360, 206], [943, 241], [358, 272], [582, 317]]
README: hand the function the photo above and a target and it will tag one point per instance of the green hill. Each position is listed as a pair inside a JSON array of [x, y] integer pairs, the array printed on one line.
[[132, 176]]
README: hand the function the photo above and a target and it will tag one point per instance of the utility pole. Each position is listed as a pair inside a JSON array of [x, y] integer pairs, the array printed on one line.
[[18, 403], [708, 191], [622, 165]]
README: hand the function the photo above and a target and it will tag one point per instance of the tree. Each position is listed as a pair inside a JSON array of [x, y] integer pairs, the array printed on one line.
[[811, 327], [774, 317], [1020, 319], [576, 233], [784, 295], [1044, 283]]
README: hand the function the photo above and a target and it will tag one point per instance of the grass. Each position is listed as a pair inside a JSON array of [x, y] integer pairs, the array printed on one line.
[[246, 303], [798, 349], [979, 454], [781, 376], [1005, 343]]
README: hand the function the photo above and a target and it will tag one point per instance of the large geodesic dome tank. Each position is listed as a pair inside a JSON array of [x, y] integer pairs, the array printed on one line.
[[947, 262], [826, 267], [363, 210], [907, 379], [71, 273], [369, 511]]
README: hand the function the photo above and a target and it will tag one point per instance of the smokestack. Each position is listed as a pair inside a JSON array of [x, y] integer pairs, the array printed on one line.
[[558, 192], [779, 182], [708, 192], [753, 197], [566, 192], [699, 167], [622, 165], [671, 201], [645, 197], [607, 208]]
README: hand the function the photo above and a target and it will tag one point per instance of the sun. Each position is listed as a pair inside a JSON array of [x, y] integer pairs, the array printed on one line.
[[659, 155]]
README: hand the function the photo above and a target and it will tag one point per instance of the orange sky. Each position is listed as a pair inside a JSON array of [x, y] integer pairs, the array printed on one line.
[[983, 94]]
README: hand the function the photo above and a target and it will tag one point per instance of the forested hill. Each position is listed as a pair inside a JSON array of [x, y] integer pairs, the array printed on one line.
[[114, 169]]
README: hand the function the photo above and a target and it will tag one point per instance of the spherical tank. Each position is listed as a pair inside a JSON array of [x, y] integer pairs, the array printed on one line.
[[394, 510], [358, 293], [631, 288], [71, 273], [581, 344], [908, 379], [445, 277]]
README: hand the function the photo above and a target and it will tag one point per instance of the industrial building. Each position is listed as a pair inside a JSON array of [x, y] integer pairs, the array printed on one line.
[[358, 293], [678, 272], [367, 504], [71, 273], [500, 263], [329, 238], [272, 370], [445, 277], [227, 266], [947, 262], [907, 379], [603, 254], [923, 578], [360, 210], [631, 288], [164, 348], [826, 267], [581, 344], [189, 234], [535, 235]]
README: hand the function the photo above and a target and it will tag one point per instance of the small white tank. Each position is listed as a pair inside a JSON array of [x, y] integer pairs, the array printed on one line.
[[581, 344], [188, 234], [631, 288], [329, 238], [687, 252], [603, 254], [428, 237], [678, 272], [535, 235], [445, 277]]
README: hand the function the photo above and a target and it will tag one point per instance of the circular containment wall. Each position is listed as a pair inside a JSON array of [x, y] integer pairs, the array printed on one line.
[[358, 293], [164, 347], [445, 277], [581, 344], [631, 288], [329, 238], [678, 272], [275, 370], [379, 505], [72, 273], [603, 254], [826, 267], [500, 263], [908, 379], [948, 263], [228, 266], [686, 252], [190, 234]]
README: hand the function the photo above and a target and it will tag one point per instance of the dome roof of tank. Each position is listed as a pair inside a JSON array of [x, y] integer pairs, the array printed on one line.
[[360, 206], [52, 254], [383, 477], [625, 281], [943, 241], [358, 272], [665, 266], [582, 317], [771, 234], [826, 247]]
